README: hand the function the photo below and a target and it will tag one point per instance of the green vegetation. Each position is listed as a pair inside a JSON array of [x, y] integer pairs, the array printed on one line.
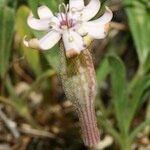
[[31, 96]]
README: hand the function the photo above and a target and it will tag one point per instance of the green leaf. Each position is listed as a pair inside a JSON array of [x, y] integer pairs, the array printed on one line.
[[22, 29], [136, 96], [6, 36], [102, 71], [119, 92], [52, 57], [33, 5], [139, 23], [52, 4], [141, 127], [146, 65]]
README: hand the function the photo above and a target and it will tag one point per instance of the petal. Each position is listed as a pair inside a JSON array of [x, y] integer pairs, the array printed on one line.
[[44, 12], [105, 18], [38, 24], [76, 4], [73, 43], [54, 22], [49, 40], [90, 10], [45, 43], [61, 17], [97, 29]]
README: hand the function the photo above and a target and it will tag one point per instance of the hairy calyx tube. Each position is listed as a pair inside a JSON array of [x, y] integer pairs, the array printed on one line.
[[78, 80]]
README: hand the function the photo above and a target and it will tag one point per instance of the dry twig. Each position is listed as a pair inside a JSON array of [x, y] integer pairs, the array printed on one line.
[[36, 133], [11, 125]]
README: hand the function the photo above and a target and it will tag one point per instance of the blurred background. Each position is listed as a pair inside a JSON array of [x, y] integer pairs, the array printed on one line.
[[34, 112]]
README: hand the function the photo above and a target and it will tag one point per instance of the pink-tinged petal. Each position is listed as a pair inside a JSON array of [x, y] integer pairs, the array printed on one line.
[[44, 12], [49, 40], [73, 43], [76, 5], [61, 17], [105, 18], [38, 24], [90, 10]]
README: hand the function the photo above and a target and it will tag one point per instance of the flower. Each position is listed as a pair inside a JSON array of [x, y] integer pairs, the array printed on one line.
[[71, 24]]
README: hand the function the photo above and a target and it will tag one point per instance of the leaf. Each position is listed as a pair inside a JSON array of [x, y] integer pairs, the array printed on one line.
[[52, 57], [33, 5], [22, 29], [102, 71], [139, 17], [146, 65], [141, 127], [136, 96], [52, 4], [6, 36], [119, 92]]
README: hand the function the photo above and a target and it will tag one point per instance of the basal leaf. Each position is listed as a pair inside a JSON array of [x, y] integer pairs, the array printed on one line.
[[33, 4], [102, 71], [6, 36], [52, 4], [136, 96], [52, 57], [119, 92], [138, 17]]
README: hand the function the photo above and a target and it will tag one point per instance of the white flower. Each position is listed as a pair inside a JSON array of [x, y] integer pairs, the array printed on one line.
[[71, 24]]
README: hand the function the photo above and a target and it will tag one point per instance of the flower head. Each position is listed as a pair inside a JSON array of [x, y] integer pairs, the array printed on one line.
[[72, 24]]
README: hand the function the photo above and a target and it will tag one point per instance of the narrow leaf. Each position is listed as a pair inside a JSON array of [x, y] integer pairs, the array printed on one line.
[[102, 71], [138, 18], [136, 97], [119, 92], [6, 36], [33, 5]]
